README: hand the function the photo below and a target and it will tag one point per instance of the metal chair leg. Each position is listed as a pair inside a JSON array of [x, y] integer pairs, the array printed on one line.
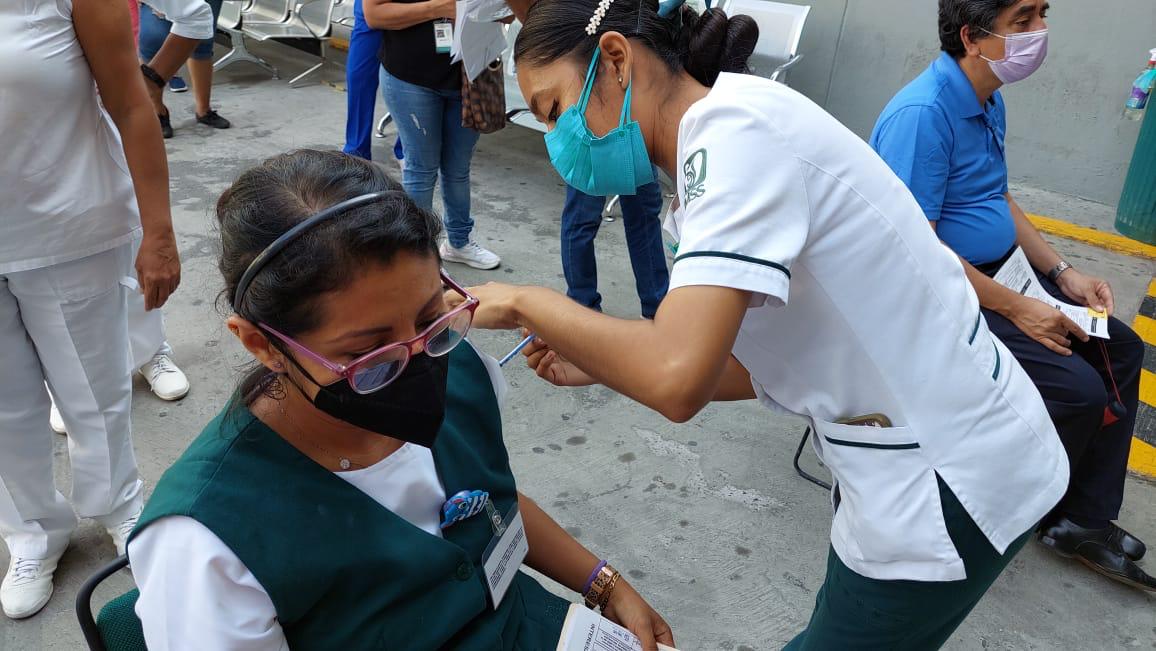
[[241, 53], [607, 216], [803, 473], [379, 132]]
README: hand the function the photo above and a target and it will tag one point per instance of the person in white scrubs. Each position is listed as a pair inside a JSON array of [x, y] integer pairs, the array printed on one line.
[[805, 277], [80, 178]]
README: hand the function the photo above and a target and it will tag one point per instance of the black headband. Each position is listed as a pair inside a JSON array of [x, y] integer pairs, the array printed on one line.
[[278, 245]]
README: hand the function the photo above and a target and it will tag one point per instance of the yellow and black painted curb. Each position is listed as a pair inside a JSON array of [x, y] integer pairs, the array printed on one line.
[[1143, 456]]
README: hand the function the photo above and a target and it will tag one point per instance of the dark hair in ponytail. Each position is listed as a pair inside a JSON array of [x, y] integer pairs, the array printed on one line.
[[269, 199], [703, 45]]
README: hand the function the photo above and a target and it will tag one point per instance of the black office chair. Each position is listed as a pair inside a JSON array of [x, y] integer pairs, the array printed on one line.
[[799, 469], [117, 628]]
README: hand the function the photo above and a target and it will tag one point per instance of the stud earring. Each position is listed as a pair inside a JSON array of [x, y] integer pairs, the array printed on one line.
[[620, 79]]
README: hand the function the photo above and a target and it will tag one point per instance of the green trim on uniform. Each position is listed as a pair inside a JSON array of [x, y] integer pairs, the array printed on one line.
[[995, 373], [853, 612], [974, 329], [733, 256], [873, 446]]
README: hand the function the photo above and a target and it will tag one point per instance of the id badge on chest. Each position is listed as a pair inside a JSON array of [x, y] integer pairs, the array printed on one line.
[[443, 36], [505, 553]]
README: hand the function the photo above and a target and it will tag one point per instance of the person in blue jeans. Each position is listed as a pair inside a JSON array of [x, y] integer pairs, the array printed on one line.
[[581, 217], [422, 88], [153, 32]]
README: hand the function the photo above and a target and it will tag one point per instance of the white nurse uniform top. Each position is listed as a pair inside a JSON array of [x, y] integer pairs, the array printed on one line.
[[857, 308]]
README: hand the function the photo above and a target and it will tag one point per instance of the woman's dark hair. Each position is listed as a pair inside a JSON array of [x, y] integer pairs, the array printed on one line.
[[269, 199], [703, 45], [977, 14]]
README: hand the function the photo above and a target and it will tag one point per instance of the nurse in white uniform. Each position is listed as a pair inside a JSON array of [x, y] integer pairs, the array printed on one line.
[[81, 176], [805, 277]]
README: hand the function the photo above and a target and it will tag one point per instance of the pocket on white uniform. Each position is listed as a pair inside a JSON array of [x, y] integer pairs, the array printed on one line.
[[889, 510]]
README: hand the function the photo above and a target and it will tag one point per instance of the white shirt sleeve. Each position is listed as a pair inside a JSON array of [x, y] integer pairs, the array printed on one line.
[[196, 594], [745, 209], [190, 18]]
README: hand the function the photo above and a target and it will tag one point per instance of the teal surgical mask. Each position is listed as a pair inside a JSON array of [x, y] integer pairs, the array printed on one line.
[[614, 164]]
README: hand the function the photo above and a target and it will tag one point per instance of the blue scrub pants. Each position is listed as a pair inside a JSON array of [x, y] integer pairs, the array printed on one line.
[[581, 217], [361, 71]]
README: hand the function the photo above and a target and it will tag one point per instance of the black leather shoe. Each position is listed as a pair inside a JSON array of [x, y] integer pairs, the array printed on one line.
[[214, 119], [1132, 546], [166, 126], [1099, 549]]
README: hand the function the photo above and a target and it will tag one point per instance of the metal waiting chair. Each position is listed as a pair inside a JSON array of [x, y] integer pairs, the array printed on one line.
[[309, 20], [117, 628], [266, 12], [780, 30], [229, 22]]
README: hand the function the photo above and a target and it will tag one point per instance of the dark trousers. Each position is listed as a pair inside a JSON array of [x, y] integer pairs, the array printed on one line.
[[855, 612], [581, 217], [1076, 390]]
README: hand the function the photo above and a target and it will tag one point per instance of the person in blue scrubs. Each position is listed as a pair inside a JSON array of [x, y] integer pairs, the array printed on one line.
[[943, 135], [581, 217], [361, 71]]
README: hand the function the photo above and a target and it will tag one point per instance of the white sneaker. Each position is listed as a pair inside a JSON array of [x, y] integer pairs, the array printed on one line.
[[27, 586], [120, 532], [165, 378], [56, 421], [472, 255]]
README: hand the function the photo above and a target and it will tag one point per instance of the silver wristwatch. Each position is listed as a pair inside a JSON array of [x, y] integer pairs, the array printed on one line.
[[1060, 268]]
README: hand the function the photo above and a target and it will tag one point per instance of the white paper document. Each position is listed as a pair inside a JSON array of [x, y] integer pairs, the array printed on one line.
[[1017, 275], [477, 43], [586, 630]]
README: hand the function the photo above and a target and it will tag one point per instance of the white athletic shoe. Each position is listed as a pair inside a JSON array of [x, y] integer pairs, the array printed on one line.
[[472, 255], [27, 586], [165, 378], [119, 533], [56, 421]]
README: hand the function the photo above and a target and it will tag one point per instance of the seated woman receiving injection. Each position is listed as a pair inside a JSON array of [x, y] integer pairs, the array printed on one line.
[[346, 497]]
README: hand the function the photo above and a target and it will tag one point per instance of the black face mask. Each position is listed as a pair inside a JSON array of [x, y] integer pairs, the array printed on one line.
[[411, 408]]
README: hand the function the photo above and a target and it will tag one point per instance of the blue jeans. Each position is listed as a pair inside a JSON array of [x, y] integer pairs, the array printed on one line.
[[361, 68], [154, 31], [581, 217], [429, 123]]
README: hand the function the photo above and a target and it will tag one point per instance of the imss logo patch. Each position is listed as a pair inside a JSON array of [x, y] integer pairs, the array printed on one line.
[[694, 172]]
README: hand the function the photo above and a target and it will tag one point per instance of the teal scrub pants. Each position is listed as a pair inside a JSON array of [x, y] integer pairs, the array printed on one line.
[[854, 612]]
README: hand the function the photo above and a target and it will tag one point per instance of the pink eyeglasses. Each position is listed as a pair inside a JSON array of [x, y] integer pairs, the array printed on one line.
[[378, 368]]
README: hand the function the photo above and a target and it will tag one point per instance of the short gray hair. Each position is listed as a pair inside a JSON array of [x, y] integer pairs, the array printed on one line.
[[977, 14]]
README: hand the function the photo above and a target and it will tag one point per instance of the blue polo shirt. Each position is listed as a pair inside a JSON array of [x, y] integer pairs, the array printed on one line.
[[949, 151]]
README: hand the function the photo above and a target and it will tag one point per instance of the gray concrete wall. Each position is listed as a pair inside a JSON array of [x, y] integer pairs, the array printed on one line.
[[1066, 130]]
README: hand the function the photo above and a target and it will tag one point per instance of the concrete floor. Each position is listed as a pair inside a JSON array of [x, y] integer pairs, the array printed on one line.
[[707, 519]]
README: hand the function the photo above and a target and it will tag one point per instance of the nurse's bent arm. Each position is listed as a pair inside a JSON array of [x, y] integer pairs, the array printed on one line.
[[675, 364]]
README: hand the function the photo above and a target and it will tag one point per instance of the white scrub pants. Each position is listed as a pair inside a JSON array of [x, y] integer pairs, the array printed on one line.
[[65, 325]]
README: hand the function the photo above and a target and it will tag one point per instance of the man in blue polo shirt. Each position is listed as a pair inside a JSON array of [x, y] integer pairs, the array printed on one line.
[[943, 134]]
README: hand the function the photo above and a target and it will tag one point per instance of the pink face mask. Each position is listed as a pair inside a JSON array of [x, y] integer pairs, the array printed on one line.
[[1023, 55]]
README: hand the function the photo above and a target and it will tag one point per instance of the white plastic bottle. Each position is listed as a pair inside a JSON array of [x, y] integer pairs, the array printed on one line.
[[1141, 90]]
